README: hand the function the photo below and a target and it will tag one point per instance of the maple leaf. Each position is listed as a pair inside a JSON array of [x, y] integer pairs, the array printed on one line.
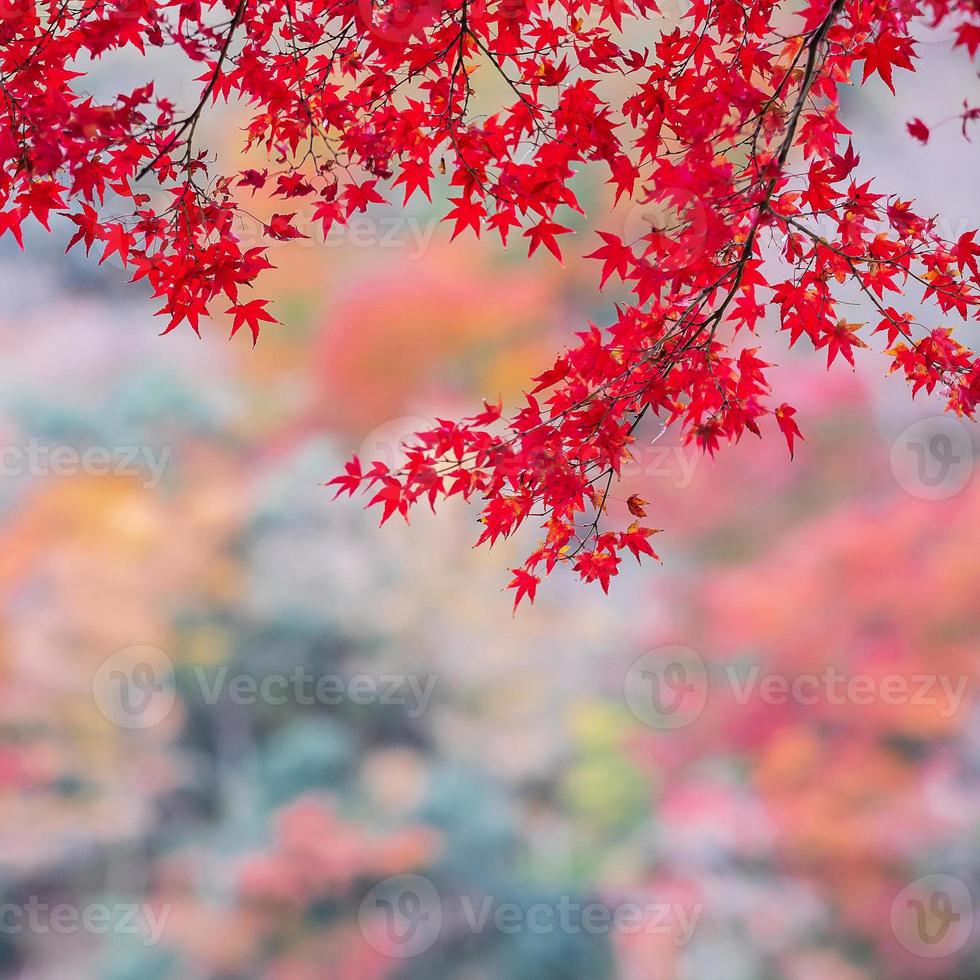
[[635, 503], [966, 252], [635, 539], [293, 185], [597, 566], [327, 213], [525, 584], [392, 498], [885, 52], [252, 314], [788, 427], [281, 228], [117, 242], [350, 480], [466, 214], [254, 179], [544, 233], [415, 175], [502, 220], [88, 228], [40, 198], [843, 164], [968, 35], [615, 256], [625, 174], [358, 197], [11, 221], [841, 339], [919, 130]]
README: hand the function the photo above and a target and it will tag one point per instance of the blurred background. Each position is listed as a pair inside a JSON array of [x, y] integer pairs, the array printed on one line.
[[246, 734]]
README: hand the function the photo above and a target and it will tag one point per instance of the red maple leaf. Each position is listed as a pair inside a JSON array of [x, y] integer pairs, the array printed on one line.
[[887, 51], [281, 228], [544, 233], [252, 314], [919, 130], [616, 257], [525, 584], [788, 427]]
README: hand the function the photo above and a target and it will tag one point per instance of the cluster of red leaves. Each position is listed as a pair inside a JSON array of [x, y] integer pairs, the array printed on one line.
[[730, 123]]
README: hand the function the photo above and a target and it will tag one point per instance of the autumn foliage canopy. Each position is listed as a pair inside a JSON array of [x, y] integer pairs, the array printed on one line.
[[725, 115]]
